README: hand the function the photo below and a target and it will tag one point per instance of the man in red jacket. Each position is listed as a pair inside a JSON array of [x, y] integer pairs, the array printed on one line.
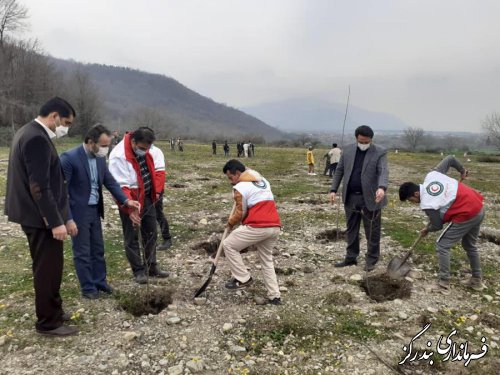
[[445, 200], [260, 226], [133, 168]]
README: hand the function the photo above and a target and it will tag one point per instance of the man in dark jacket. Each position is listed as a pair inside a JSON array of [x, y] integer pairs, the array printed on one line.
[[37, 199], [363, 167], [86, 172]]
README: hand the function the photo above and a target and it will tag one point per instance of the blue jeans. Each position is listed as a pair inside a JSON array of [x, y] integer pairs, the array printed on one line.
[[88, 252]]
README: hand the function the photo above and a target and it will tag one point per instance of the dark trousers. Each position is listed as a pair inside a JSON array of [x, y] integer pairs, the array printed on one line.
[[356, 211], [327, 168], [47, 255], [332, 169], [161, 219], [140, 262], [88, 252]]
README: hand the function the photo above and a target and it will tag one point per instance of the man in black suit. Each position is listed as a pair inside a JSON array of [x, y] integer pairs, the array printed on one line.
[[37, 199], [363, 167]]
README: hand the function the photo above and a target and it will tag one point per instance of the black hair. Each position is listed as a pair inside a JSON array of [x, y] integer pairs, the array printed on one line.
[[94, 133], [147, 128], [144, 135], [364, 130], [232, 166], [334, 145], [407, 189], [59, 105]]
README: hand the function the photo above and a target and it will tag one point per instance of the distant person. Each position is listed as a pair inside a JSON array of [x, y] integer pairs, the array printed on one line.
[[250, 154], [180, 145], [86, 172], [240, 149], [37, 198], [226, 149], [115, 139], [132, 166], [334, 153], [363, 167], [172, 144], [445, 200], [245, 149], [310, 161], [252, 148], [326, 158], [214, 147]]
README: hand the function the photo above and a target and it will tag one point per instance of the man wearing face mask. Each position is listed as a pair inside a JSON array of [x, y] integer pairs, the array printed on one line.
[[86, 172], [37, 199], [133, 167], [363, 167]]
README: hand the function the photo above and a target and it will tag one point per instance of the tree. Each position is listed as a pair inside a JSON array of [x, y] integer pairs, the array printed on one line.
[[491, 124], [85, 97], [13, 17], [412, 137]]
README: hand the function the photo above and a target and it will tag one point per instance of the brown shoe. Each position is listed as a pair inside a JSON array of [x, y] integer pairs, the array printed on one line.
[[59, 331], [475, 283]]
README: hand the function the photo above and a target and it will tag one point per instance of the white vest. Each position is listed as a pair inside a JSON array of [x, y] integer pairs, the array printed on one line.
[[254, 192], [438, 191]]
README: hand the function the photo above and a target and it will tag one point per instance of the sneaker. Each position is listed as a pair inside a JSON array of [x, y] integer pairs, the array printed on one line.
[[235, 284], [274, 301], [167, 244], [106, 289], [475, 283]]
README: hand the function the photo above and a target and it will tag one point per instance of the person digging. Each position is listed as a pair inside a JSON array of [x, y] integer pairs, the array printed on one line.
[[260, 226], [446, 200]]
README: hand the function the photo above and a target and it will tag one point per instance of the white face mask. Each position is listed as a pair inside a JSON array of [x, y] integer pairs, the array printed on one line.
[[61, 131], [103, 152], [140, 152], [364, 147]]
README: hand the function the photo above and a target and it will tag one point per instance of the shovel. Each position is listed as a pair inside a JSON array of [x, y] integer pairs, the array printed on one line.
[[216, 260], [398, 267]]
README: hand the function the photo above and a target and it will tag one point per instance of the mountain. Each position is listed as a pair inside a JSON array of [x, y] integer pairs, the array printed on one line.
[[312, 114], [126, 92]]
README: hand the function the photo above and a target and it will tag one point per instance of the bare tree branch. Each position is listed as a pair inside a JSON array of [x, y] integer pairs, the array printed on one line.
[[13, 17]]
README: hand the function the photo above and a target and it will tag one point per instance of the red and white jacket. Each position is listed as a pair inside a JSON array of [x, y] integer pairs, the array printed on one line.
[[455, 201], [254, 202], [125, 169]]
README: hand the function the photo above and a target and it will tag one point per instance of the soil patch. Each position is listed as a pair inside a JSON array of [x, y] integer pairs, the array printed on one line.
[[332, 235], [179, 186], [144, 302], [209, 246], [384, 288]]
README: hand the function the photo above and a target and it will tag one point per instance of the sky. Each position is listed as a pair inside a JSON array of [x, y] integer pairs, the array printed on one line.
[[435, 64]]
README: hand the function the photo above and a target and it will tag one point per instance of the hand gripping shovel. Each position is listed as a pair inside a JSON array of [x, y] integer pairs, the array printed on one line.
[[216, 260], [398, 267]]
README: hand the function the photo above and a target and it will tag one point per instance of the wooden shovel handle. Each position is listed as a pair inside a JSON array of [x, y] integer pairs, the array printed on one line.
[[224, 235], [405, 258]]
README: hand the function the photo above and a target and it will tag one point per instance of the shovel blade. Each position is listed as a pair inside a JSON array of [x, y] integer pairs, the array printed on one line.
[[205, 284], [397, 268]]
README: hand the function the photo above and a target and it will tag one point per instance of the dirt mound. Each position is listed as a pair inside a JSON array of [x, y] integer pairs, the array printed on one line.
[[384, 288]]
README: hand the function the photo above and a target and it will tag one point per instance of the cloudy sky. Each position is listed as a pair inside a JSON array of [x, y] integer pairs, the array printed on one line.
[[433, 63]]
